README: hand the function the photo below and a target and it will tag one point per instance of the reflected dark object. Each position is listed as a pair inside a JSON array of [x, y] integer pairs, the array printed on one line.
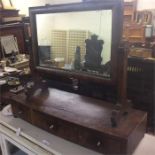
[[93, 57], [44, 53], [107, 68], [77, 58]]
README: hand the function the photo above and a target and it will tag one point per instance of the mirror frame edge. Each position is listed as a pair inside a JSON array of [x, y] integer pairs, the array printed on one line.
[[117, 26]]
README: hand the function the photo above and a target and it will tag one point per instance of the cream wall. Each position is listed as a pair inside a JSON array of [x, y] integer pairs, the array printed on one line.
[[23, 5], [146, 4]]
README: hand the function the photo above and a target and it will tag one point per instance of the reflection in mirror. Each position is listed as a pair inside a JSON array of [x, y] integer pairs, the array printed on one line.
[[76, 41]]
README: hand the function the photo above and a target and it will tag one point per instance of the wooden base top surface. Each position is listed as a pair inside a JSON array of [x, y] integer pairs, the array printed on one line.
[[84, 111]]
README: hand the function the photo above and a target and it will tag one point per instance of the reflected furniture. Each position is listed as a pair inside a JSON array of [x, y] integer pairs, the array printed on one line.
[[44, 53], [62, 100], [93, 57]]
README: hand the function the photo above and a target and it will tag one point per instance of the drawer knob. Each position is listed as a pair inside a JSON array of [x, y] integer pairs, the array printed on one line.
[[51, 126], [20, 112], [98, 143]]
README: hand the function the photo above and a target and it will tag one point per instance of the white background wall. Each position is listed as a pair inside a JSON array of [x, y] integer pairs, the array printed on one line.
[[23, 5], [146, 4]]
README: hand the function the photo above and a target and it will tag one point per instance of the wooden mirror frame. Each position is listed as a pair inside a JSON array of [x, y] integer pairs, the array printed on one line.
[[117, 23]]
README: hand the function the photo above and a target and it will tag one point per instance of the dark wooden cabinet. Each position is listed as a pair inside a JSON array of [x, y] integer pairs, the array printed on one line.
[[88, 125], [17, 30], [141, 86]]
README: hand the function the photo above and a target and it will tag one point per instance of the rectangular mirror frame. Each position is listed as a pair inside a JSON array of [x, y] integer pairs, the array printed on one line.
[[117, 23]]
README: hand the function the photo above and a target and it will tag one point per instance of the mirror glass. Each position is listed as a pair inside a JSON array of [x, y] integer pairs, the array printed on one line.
[[76, 41]]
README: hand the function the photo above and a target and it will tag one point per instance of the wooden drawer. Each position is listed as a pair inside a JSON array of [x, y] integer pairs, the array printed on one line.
[[55, 126], [99, 142], [91, 140], [75, 133], [85, 126], [44, 122], [21, 111]]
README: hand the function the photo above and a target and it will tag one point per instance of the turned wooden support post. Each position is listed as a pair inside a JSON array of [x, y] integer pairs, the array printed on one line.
[[122, 107], [122, 76]]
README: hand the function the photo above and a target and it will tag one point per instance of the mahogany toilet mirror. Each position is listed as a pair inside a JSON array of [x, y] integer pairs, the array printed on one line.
[[78, 54], [80, 41]]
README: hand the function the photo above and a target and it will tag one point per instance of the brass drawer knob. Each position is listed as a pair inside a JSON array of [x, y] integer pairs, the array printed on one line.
[[51, 126], [98, 143]]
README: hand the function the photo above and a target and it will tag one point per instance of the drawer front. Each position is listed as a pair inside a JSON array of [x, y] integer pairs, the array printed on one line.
[[67, 131], [99, 142], [82, 136], [55, 126], [21, 111], [91, 140], [43, 121]]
